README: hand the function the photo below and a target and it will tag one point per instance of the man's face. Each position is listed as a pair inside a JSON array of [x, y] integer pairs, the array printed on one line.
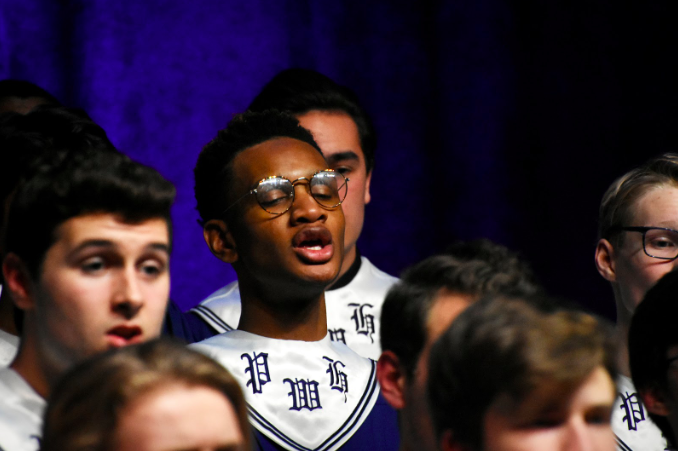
[[178, 418], [337, 136], [636, 272], [302, 244], [416, 417], [103, 284], [580, 422]]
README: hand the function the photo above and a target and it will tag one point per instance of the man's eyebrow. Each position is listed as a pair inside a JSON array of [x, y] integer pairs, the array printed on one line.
[[163, 247], [92, 243], [160, 247], [345, 155]]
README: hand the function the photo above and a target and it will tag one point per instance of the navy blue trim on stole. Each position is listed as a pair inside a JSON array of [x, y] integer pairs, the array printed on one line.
[[213, 316], [621, 444], [371, 386], [348, 427], [187, 326], [256, 417]]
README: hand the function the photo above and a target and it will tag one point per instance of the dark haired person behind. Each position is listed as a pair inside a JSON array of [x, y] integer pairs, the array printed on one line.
[[87, 261], [20, 97], [23, 96], [148, 397], [421, 306], [514, 374], [271, 208], [23, 138], [653, 351], [344, 132]]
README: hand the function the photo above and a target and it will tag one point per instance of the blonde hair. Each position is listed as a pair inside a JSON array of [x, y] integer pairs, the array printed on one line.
[[617, 206]]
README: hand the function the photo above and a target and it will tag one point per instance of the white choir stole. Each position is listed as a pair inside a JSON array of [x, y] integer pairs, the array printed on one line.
[[301, 395]]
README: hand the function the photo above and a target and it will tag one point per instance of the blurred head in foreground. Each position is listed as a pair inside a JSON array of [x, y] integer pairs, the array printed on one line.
[[155, 396], [516, 374], [421, 306]]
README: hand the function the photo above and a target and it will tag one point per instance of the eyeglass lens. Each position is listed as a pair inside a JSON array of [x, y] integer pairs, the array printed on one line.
[[276, 194], [661, 243]]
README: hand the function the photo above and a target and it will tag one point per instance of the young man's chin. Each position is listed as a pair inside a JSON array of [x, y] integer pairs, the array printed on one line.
[[321, 279]]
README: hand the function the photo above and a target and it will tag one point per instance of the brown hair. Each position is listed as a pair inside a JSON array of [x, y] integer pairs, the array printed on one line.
[[616, 208], [85, 406], [511, 350], [475, 268]]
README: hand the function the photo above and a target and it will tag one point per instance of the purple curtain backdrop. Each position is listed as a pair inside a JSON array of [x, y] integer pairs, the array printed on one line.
[[496, 119]]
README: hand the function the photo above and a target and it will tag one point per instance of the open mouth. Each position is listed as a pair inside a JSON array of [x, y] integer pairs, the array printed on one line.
[[315, 237], [124, 335], [314, 244]]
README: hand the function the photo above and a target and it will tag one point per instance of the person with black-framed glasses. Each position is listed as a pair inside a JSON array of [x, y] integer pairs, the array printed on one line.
[[638, 231]]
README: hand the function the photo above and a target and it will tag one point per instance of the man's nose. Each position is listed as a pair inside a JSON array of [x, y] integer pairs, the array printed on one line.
[[580, 436], [127, 298], [305, 207]]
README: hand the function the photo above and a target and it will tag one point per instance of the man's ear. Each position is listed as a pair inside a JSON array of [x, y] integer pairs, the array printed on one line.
[[655, 401], [368, 180], [220, 240], [18, 282], [605, 260], [391, 376], [448, 443]]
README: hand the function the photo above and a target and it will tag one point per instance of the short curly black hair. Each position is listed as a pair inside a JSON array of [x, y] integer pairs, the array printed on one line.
[[213, 170]]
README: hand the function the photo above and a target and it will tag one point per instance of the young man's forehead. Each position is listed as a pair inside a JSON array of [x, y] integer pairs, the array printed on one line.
[[640, 200], [109, 227], [337, 128], [278, 156], [336, 157]]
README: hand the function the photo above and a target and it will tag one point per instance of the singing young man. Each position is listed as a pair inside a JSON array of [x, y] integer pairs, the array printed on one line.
[[271, 207], [344, 133]]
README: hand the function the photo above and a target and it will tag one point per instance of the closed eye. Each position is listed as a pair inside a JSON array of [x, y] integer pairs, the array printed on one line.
[[599, 416], [271, 197], [545, 423]]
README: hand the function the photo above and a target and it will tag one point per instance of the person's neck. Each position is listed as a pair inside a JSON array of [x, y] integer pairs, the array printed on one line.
[[622, 326], [407, 437], [622, 359], [351, 258], [348, 274], [29, 365], [7, 314], [300, 317]]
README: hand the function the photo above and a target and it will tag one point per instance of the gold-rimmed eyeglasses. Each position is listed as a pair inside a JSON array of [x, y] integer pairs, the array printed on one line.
[[275, 194]]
